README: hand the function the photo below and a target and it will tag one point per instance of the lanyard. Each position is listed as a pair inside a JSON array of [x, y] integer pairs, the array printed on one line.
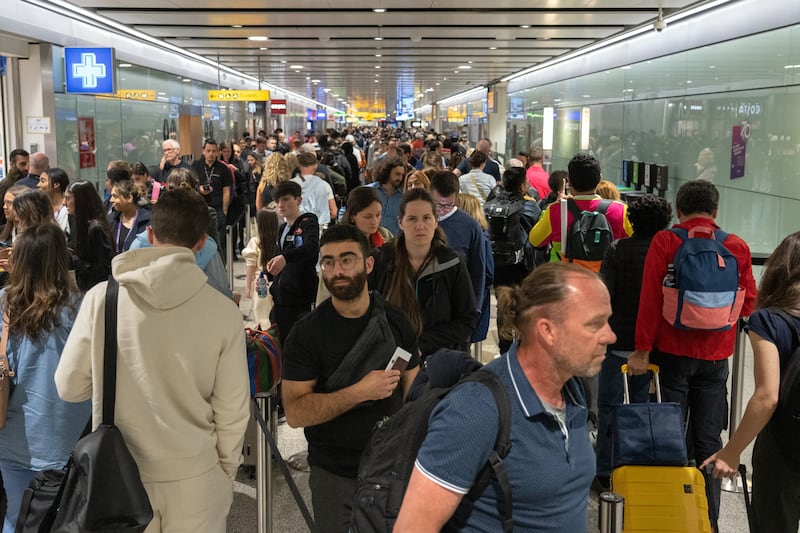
[[209, 172], [120, 245]]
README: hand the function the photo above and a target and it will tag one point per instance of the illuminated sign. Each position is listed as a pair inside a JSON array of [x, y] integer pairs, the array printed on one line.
[[89, 70], [277, 107], [236, 96], [322, 114], [136, 94]]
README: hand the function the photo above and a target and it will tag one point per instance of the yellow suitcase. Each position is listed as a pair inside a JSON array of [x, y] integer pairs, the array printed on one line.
[[662, 499]]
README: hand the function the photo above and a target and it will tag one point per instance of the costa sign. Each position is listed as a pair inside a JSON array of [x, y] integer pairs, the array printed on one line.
[[277, 107]]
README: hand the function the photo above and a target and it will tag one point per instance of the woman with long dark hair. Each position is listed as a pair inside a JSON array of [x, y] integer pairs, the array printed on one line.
[[364, 210], [262, 247], [39, 305], [772, 329], [9, 230], [90, 238], [419, 273], [32, 207], [53, 182]]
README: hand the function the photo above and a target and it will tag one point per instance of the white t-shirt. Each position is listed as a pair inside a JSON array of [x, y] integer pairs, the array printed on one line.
[[316, 193], [62, 218]]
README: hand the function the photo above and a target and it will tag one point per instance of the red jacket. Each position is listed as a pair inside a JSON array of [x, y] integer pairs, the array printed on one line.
[[652, 331]]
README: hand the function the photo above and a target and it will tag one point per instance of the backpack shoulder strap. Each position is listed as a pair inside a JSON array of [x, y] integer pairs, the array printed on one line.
[[789, 374], [720, 235], [680, 232], [603, 206], [789, 320], [576, 211], [475, 182], [502, 446]]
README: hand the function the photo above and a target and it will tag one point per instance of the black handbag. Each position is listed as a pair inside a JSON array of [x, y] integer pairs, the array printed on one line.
[[100, 489]]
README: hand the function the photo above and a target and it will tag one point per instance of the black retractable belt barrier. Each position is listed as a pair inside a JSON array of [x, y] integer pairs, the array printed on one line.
[[286, 473]]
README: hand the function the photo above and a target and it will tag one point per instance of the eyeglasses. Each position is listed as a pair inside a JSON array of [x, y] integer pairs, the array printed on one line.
[[348, 262], [445, 206], [165, 150]]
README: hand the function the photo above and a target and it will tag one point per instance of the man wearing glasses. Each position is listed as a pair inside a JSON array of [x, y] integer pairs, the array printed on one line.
[[464, 234], [337, 379], [170, 159]]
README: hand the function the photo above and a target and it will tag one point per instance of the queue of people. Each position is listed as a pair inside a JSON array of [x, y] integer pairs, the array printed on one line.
[[374, 247]]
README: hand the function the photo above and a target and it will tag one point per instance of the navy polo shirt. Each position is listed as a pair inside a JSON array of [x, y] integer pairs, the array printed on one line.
[[550, 470]]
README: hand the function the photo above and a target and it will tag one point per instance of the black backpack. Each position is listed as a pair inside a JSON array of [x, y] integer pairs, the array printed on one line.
[[505, 231], [590, 234], [785, 422], [388, 461]]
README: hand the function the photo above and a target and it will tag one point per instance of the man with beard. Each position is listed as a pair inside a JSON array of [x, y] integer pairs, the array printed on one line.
[[389, 184], [335, 382]]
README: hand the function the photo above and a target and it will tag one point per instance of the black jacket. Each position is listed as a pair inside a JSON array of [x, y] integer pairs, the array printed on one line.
[[120, 245], [96, 265], [445, 296], [622, 270], [297, 282]]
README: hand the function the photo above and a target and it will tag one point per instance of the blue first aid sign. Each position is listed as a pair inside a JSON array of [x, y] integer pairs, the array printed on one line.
[[89, 70]]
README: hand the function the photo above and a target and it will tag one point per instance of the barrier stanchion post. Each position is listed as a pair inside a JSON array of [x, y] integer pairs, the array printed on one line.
[[477, 351], [229, 253], [737, 393], [611, 512], [248, 231], [263, 471]]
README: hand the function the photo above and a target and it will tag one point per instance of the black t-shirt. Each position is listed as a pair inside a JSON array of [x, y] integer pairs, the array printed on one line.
[[314, 349], [218, 176]]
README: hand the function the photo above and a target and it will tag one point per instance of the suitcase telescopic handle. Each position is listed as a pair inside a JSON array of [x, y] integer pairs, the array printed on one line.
[[626, 398]]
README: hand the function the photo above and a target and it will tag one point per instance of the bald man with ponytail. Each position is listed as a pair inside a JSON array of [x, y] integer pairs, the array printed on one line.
[[558, 317]]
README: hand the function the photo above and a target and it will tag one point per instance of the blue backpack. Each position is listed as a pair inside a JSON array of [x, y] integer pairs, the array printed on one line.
[[703, 293]]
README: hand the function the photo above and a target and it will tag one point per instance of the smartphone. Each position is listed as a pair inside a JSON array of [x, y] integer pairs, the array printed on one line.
[[5, 244], [399, 360]]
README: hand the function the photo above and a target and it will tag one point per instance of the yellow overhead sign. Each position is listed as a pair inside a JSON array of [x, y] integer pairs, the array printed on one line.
[[136, 94], [235, 96]]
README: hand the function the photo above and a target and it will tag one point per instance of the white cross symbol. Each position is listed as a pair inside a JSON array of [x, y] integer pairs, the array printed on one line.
[[89, 70]]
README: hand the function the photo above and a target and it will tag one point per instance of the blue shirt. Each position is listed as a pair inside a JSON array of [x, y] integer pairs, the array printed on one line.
[[41, 429], [465, 235], [391, 207], [549, 473]]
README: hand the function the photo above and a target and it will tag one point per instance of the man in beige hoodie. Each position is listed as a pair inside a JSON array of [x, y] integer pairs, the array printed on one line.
[[182, 382]]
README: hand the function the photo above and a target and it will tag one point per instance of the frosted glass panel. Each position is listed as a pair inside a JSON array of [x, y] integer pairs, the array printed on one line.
[[681, 111]]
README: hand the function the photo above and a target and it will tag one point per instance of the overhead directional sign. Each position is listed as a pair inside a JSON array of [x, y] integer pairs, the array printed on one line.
[[136, 94], [238, 96], [89, 70]]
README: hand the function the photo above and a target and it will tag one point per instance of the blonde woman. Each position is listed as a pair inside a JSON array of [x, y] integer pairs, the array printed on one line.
[[276, 169], [470, 204]]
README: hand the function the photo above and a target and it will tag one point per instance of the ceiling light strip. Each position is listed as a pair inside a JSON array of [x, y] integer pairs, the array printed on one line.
[[674, 17], [460, 96]]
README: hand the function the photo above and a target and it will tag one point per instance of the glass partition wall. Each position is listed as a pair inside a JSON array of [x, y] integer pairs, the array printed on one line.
[[687, 111]]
